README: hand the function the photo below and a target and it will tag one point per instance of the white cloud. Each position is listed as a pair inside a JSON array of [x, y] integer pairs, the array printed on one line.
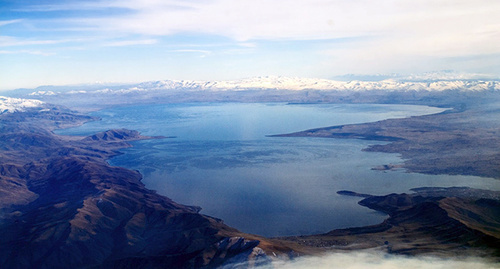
[[357, 36], [9, 41], [80, 5], [2, 23], [378, 260], [425, 27], [240, 20], [401, 32], [202, 53], [122, 43], [422, 36], [192, 50], [32, 52], [271, 19]]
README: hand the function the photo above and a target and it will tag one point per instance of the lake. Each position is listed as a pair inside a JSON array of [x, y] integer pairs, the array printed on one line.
[[221, 159]]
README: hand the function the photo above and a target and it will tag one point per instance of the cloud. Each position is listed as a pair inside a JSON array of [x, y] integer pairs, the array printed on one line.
[[66, 6], [239, 20], [379, 260], [32, 52], [2, 23], [429, 26], [7, 41], [202, 53], [317, 38], [423, 35], [193, 51], [131, 43], [272, 19], [402, 27]]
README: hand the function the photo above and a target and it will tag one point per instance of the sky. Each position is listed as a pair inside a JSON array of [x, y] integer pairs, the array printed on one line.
[[60, 42]]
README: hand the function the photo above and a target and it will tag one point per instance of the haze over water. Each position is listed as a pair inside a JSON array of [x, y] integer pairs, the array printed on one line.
[[221, 160]]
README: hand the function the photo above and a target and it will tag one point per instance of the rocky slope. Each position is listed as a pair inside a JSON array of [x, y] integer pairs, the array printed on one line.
[[438, 221]]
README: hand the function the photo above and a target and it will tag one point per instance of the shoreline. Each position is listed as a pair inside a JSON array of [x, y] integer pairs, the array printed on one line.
[[429, 144]]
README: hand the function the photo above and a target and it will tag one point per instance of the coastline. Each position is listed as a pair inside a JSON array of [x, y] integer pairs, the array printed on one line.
[[431, 144]]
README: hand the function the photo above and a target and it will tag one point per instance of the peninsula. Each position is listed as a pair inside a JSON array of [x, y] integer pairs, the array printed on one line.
[[464, 140]]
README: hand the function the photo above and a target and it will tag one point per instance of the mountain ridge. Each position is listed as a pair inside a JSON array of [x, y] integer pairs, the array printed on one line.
[[286, 83]]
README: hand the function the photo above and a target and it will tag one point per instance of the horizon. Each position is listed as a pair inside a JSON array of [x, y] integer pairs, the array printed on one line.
[[61, 43], [435, 76]]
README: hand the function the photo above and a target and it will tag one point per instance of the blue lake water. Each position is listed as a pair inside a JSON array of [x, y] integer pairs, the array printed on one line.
[[221, 160]]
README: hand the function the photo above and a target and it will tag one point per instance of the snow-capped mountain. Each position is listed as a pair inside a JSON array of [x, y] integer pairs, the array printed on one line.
[[10, 105], [293, 83], [259, 89], [427, 82], [446, 75], [442, 75]]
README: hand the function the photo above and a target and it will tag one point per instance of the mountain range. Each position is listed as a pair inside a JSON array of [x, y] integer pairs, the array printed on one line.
[[282, 83], [437, 89]]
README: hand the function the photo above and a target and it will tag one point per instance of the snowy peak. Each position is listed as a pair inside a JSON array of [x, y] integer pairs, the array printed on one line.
[[434, 76], [42, 93], [276, 82], [293, 83], [10, 105], [428, 82], [446, 75]]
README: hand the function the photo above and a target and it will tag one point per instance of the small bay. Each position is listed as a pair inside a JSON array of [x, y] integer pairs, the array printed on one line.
[[221, 159]]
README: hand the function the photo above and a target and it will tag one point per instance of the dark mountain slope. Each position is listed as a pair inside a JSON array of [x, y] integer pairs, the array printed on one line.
[[458, 221]]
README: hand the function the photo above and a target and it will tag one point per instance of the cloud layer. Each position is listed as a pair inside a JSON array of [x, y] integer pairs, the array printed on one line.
[[440, 22], [379, 260], [319, 38]]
